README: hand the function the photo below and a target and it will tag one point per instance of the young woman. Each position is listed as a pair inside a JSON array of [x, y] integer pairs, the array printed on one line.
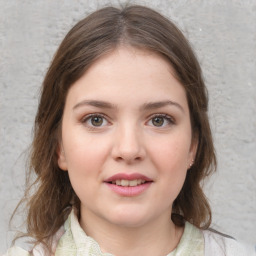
[[122, 142]]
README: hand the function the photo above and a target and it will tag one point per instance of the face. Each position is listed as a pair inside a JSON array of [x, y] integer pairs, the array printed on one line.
[[126, 139]]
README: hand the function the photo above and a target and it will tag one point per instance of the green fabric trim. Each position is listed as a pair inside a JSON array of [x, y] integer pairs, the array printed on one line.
[[76, 243]]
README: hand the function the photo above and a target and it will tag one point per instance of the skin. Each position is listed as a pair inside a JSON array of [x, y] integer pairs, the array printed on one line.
[[128, 139]]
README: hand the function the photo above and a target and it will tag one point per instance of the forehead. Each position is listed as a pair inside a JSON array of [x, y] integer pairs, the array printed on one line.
[[125, 58], [127, 73]]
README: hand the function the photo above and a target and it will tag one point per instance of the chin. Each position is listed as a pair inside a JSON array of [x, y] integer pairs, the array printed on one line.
[[128, 219]]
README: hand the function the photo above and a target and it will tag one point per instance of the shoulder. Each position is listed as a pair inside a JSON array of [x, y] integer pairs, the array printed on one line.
[[219, 244], [16, 251]]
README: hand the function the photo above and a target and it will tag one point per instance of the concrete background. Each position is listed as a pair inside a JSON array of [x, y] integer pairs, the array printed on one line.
[[223, 33]]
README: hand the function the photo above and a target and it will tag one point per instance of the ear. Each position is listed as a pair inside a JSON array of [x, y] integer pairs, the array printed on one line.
[[192, 151], [62, 162]]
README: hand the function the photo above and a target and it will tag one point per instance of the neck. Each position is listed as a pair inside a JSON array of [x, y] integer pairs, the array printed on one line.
[[156, 238]]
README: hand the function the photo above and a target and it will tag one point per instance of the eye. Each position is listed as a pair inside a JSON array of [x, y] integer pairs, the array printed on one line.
[[95, 120], [161, 120], [158, 121]]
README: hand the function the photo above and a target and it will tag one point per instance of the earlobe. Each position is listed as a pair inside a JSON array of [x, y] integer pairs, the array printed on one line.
[[193, 151], [62, 163], [191, 163]]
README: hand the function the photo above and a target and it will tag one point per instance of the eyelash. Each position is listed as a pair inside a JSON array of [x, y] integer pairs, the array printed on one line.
[[170, 120], [88, 118], [84, 120]]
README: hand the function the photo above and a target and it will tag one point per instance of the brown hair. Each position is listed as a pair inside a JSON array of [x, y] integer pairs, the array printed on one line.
[[91, 38]]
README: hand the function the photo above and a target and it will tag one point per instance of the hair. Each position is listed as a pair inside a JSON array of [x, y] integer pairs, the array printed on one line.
[[91, 38]]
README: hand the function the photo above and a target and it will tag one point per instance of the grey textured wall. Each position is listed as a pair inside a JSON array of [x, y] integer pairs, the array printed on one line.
[[223, 34]]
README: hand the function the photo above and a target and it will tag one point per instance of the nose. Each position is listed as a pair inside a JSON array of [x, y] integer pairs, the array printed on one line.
[[128, 145]]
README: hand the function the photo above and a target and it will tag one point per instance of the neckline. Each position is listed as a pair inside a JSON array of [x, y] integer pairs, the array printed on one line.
[[191, 239]]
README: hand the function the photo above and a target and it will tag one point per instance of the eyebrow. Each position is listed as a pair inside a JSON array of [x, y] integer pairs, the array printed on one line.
[[160, 104], [146, 106], [94, 103]]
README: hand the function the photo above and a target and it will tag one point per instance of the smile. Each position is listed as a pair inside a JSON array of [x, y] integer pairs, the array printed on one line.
[[128, 183]]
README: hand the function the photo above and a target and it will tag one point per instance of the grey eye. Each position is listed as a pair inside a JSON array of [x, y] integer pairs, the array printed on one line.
[[158, 121], [96, 120]]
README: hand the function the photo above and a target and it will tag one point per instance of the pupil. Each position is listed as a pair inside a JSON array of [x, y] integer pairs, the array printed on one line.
[[158, 121], [97, 121]]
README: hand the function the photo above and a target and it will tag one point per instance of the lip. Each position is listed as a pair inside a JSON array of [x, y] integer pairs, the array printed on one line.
[[125, 176], [128, 191]]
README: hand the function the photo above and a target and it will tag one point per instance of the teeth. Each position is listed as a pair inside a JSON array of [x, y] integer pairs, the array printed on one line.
[[133, 183], [125, 183], [118, 182], [128, 183]]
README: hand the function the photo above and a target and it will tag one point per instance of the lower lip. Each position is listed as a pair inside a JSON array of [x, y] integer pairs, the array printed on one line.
[[129, 191]]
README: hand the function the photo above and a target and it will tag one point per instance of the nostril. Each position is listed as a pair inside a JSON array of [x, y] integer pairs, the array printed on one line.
[[119, 158], [128, 151]]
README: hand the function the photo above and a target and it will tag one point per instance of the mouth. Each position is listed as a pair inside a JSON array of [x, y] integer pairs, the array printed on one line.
[[128, 183], [128, 180]]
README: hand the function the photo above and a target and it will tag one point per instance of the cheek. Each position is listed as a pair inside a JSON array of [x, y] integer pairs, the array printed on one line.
[[171, 153], [85, 165], [170, 159], [84, 150], [85, 162], [86, 158]]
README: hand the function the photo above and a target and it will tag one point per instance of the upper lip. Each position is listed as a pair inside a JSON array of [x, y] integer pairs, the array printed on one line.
[[125, 176]]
